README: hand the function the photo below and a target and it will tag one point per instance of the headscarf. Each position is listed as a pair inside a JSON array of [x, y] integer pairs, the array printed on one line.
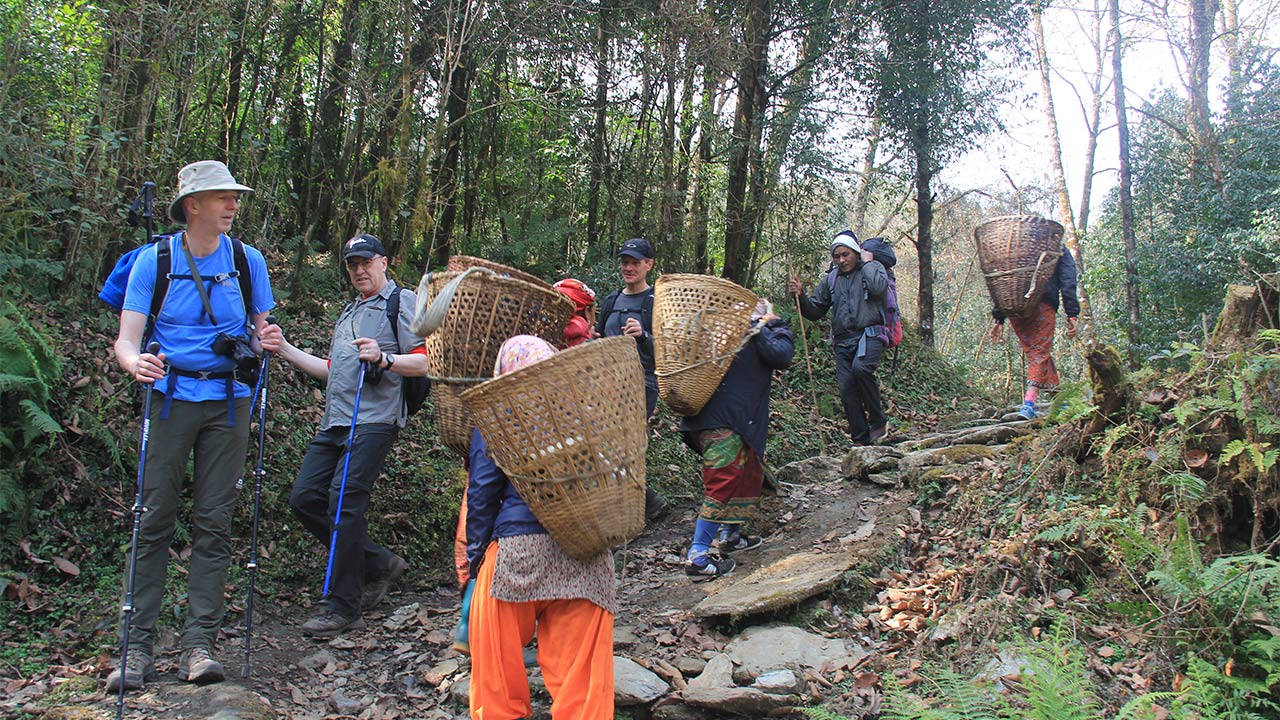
[[521, 351], [577, 291], [847, 239], [762, 308]]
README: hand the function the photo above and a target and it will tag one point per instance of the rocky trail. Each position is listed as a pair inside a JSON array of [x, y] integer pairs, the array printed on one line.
[[804, 619]]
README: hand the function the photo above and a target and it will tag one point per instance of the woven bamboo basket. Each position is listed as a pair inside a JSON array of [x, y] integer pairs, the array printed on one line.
[[453, 422], [570, 433], [458, 263], [486, 309], [699, 322], [1018, 255]]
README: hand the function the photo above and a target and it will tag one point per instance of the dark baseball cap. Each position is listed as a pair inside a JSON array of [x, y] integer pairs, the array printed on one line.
[[637, 248], [365, 246]]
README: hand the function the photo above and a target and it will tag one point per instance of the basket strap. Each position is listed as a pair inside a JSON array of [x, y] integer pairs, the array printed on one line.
[[1036, 274], [428, 318]]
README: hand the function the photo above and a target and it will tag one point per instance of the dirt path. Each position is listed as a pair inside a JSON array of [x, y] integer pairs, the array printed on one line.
[[401, 666]]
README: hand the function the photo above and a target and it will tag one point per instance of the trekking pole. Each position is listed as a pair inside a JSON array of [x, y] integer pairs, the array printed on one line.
[[342, 489], [127, 608], [258, 475], [804, 346], [144, 204]]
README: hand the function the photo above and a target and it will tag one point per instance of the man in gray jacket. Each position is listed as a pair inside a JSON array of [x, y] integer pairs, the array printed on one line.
[[855, 292], [365, 333]]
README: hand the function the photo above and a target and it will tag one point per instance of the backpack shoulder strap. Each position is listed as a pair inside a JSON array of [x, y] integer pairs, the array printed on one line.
[[241, 259], [646, 308], [605, 309], [160, 291], [393, 314]]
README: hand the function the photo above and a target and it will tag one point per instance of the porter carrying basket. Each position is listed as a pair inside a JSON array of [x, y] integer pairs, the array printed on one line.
[[1018, 254], [465, 317], [699, 323], [570, 433]]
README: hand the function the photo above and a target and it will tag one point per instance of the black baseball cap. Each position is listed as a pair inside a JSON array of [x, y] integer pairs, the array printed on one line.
[[637, 248], [365, 246]]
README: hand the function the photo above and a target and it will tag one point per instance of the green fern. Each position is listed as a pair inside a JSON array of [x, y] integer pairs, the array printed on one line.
[[1055, 678], [1189, 489], [1210, 693], [948, 697]]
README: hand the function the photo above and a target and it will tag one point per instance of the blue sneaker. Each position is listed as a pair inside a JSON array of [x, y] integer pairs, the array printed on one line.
[[1028, 411]]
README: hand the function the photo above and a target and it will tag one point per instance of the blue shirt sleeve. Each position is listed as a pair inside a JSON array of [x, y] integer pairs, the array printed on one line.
[[263, 299], [142, 282]]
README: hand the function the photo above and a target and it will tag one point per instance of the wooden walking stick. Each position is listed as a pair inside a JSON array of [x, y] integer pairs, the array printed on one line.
[[804, 347]]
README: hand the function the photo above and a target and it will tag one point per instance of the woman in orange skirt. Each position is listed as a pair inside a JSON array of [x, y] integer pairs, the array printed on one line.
[[526, 584]]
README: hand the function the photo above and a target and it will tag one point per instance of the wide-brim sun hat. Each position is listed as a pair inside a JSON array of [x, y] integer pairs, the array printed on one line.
[[202, 176]]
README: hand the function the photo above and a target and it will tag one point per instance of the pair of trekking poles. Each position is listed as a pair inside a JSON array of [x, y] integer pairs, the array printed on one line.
[[145, 203]]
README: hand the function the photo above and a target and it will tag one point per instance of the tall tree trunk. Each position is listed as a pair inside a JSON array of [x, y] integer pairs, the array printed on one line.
[[640, 158], [1126, 184], [1236, 80], [1055, 161], [797, 96], [862, 195], [688, 122], [737, 250], [1093, 121], [446, 186], [1200, 30], [699, 218], [235, 77], [599, 138], [666, 209], [325, 169], [922, 151]]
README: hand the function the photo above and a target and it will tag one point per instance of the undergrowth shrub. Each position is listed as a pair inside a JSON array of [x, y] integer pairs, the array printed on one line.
[[30, 368]]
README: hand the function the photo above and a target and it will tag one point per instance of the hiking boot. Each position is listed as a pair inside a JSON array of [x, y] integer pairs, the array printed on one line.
[[1028, 411], [879, 433], [654, 506], [376, 590], [140, 667], [196, 665], [331, 624], [738, 542], [709, 567]]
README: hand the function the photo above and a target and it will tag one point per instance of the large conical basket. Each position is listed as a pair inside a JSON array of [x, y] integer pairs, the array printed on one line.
[[699, 322], [570, 433], [485, 309], [1018, 255], [458, 263], [453, 422]]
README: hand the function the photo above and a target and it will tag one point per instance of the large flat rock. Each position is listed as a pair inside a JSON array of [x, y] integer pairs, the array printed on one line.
[[782, 584]]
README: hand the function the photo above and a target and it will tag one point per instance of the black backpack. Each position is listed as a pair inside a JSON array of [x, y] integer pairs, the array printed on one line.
[[414, 389]]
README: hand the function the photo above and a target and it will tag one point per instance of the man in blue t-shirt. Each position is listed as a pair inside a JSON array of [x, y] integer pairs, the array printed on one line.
[[202, 408]]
